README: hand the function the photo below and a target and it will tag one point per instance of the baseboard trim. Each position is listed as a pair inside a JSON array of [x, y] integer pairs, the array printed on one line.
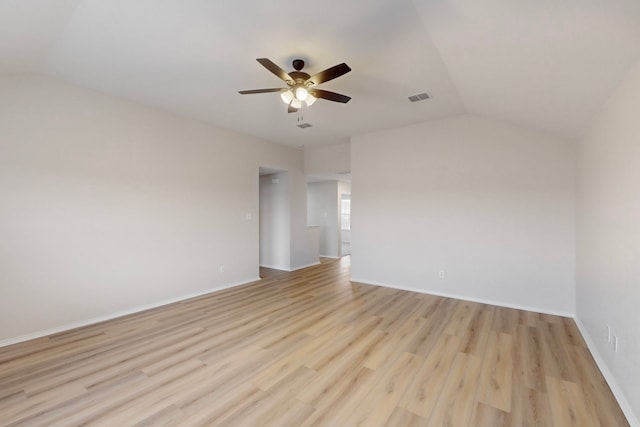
[[466, 298], [290, 269], [273, 267], [608, 376], [305, 266], [82, 323], [329, 256]]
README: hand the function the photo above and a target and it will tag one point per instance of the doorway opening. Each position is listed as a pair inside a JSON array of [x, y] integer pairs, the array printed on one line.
[[345, 224], [274, 224]]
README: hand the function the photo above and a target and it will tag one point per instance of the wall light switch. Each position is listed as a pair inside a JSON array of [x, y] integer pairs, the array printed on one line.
[[247, 216]]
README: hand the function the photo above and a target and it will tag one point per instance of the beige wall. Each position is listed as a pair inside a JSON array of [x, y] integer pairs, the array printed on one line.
[[332, 159], [107, 206], [608, 241], [489, 203]]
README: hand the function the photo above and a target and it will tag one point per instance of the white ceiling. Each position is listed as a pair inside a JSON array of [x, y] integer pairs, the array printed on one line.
[[547, 64]]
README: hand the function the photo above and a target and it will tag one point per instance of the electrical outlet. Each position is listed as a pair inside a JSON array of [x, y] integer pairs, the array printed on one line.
[[441, 274], [221, 268]]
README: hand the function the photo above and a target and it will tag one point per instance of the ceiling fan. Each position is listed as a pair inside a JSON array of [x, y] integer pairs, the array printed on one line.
[[301, 86]]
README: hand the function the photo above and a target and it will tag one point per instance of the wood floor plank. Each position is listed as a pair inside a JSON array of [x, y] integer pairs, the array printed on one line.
[[168, 416], [488, 416], [497, 372], [555, 359], [530, 408], [402, 417], [474, 339], [461, 318], [338, 372], [388, 391], [457, 399], [213, 408], [339, 401], [423, 393], [435, 324], [310, 348], [528, 368], [40, 403], [505, 320], [568, 404]]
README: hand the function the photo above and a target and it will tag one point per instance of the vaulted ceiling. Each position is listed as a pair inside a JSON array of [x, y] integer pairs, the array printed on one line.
[[546, 64]]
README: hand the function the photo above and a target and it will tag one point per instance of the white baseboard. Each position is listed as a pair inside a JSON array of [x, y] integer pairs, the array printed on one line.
[[608, 376], [290, 269], [466, 298], [329, 256], [275, 267], [70, 326], [305, 266]]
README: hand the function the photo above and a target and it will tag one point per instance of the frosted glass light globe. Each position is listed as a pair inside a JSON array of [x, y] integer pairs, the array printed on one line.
[[301, 94], [286, 96]]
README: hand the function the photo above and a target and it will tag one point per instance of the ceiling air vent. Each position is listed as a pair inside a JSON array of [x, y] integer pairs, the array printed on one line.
[[419, 97], [304, 125]]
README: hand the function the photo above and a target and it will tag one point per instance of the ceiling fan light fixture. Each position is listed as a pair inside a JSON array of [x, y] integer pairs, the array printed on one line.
[[310, 100], [301, 93], [287, 96], [295, 103]]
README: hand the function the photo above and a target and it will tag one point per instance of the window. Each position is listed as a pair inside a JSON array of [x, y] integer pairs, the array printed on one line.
[[345, 212]]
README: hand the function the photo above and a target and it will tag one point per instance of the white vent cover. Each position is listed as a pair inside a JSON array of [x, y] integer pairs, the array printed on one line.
[[420, 97]]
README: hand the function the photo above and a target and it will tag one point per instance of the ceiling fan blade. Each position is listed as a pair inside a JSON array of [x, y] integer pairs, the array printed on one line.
[[269, 65], [249, 92], [330, 96], [329, 74]]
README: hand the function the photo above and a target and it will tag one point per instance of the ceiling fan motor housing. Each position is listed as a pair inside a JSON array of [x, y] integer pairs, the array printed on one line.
[[298, 64], [299, 77]]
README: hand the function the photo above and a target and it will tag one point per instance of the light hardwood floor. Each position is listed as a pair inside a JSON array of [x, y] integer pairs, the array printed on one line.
[[310, 348]]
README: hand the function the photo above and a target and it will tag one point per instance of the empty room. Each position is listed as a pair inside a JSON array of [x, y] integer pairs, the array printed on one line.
[[381, 213]]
